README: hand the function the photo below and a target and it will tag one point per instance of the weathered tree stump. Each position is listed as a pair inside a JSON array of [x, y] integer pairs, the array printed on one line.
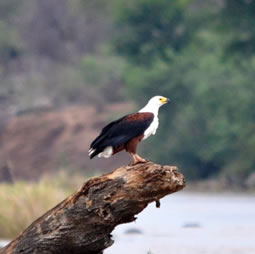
[[83, 222]]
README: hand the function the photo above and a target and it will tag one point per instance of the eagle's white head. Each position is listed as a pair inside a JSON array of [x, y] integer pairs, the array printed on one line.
[[158, 101], [154, 104]]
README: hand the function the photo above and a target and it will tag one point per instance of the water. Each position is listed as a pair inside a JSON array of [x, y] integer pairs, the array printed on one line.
[[3, 243], [191, 224]]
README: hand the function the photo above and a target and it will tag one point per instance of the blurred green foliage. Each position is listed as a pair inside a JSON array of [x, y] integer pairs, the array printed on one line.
[[103, 72], [8, 7], [238, 19], [151, 29], [10, 44], [178, 49]]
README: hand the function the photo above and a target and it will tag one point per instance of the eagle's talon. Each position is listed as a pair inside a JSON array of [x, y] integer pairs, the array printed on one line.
[[137, 162], [143, 161]]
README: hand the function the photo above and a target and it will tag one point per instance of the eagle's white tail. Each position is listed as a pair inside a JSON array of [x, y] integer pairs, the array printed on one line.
[[107, 153]]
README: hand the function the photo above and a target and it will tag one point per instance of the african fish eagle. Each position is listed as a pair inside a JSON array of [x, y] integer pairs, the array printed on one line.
[[128, 131]]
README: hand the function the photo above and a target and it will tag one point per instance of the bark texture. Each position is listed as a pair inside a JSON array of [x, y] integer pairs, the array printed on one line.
[[83, 222]]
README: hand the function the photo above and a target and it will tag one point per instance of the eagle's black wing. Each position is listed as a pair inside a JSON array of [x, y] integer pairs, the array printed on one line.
[[121, 131]]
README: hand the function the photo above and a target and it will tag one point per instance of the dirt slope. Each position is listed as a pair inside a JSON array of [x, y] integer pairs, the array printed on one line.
[[41, 143]]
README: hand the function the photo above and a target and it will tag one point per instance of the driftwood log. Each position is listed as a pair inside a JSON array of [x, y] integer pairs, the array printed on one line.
[[83, 222]]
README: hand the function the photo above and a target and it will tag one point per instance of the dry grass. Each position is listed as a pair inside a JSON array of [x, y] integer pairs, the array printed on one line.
[[23, 202]]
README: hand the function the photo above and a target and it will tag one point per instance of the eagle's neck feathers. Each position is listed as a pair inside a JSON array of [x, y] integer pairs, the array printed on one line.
[[150, 108]]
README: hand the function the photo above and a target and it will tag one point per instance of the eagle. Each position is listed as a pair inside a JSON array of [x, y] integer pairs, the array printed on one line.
[[126, 132]]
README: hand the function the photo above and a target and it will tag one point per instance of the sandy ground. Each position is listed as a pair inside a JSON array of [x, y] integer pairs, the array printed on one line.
[[190, 224]]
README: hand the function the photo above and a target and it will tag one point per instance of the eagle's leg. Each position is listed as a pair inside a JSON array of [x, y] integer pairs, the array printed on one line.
[[140, 159], [131, 148], [136, 159]]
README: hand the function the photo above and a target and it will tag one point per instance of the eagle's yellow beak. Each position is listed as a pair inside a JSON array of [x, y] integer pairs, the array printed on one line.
[[164, 100]]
